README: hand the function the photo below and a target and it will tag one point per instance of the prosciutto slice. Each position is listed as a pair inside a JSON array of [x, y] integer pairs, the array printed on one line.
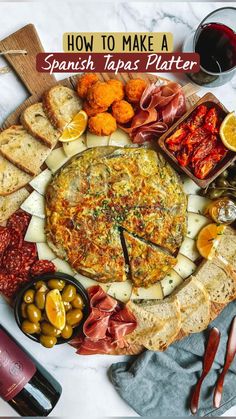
[[160, 106], [106, 326]]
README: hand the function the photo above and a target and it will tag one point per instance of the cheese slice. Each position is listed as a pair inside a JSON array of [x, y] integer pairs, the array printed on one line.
[[63, 266], [36, 230], [121, 291], [197, 204], [189, 249], [41, 182], [44, 252], [195, 223], [34, 205], [171, 281], [93, 140], [120, 138], [56, 159], [190, 187], [184, 267], [152, 293], [88, 282], [74, 147]]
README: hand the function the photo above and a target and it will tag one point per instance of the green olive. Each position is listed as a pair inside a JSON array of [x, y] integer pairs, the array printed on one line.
[[49, 330], [57, 284], [74, 317], [33, 313], [39, 284], [29, 296], [48, 341], [67, 332], [222, 183], [29, 327], [224, 174], [215, 193], [67, 306], [77, 302], [40, 298], [69, 293], [23, 310]]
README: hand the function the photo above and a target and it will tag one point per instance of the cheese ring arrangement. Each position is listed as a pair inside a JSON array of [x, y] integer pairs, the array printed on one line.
[[87, 190]]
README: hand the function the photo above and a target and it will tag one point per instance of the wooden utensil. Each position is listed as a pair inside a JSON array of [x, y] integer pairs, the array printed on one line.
[[230, 354], [209, 356]]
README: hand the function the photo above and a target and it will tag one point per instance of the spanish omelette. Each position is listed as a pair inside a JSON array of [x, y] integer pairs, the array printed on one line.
[[104, 190]]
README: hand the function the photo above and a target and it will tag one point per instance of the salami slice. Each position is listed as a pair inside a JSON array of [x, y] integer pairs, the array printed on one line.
[[42, 267], [16, 262], [9, 284], [5, 238], [16, 240], [29, 252], [19, 221]]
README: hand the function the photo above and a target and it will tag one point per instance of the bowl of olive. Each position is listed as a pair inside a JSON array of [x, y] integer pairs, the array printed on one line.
[[52, 308]]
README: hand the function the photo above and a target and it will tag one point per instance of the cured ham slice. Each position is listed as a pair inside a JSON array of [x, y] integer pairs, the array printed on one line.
[[106, 326], [160, 106]]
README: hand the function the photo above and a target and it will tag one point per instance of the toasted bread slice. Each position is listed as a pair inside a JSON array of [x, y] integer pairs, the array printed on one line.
[[148, 263], [195, 306], [23, 150], [37, 124], [159, 323], [11, 203], [61, 104], [11, 178], [220, 286]]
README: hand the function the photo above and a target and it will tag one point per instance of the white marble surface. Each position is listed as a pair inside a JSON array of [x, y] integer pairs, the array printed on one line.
[[86, 387]]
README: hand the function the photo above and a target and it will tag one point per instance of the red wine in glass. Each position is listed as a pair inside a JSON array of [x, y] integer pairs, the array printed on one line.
[[216, 45]]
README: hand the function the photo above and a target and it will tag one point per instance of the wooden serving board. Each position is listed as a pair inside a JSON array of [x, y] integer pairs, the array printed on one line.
[[37, 83]]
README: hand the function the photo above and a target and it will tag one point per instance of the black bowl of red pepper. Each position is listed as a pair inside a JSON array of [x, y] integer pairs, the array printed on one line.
[[194, 143]]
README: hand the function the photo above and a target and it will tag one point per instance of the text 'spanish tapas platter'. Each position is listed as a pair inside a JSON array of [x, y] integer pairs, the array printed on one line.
[[92, 187]]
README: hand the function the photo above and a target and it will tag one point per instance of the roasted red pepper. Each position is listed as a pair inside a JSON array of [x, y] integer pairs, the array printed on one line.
[[212, 121]]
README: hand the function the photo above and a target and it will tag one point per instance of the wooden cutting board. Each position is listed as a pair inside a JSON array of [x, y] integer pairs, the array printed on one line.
[[36, 83]]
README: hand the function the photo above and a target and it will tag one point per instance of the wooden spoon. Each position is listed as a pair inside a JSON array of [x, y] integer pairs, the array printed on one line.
[[209, 356], [230, 354]]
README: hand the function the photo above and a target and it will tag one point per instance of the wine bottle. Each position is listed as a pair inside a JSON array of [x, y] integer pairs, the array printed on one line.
[[24, 383]]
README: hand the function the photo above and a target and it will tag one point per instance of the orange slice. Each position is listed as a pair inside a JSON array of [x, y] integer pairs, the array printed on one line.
[[209, 239], [55, 309], [228, 131], [75, 128]]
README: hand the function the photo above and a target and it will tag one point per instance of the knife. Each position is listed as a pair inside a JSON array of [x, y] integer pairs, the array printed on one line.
[[230, 354], [209, 356]]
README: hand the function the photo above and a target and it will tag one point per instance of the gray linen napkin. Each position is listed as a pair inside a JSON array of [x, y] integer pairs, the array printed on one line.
[[160, 383]]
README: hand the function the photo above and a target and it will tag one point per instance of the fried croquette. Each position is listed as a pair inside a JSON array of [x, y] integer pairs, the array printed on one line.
[[102, 124], [122, 111], [101, 94], [84, 83], [93, 110], [118, 88], [134, 89]]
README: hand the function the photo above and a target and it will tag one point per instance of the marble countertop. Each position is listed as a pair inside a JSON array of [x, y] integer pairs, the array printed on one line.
[[86, 387]]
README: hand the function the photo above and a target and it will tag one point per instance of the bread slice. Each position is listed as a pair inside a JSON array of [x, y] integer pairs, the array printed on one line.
[[11, 178], [11, 203], [148, 263], [37, 124], [159, 323], [195, 306], [23, 150], [220, 286], [61, 104]]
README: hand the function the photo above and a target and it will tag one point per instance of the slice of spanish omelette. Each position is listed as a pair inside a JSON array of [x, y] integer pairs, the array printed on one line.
[[148, 263]]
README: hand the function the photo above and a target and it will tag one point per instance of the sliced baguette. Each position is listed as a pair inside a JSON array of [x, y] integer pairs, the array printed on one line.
[[11, 203], [61, 104], [167, 313], [195, 306], [11, 178], [23, 150], [37, 124], [220, 286]]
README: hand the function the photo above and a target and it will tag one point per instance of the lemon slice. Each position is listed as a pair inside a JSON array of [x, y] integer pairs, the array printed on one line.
[[228, 131], [209, 239], [55, 309], [75, 128]]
